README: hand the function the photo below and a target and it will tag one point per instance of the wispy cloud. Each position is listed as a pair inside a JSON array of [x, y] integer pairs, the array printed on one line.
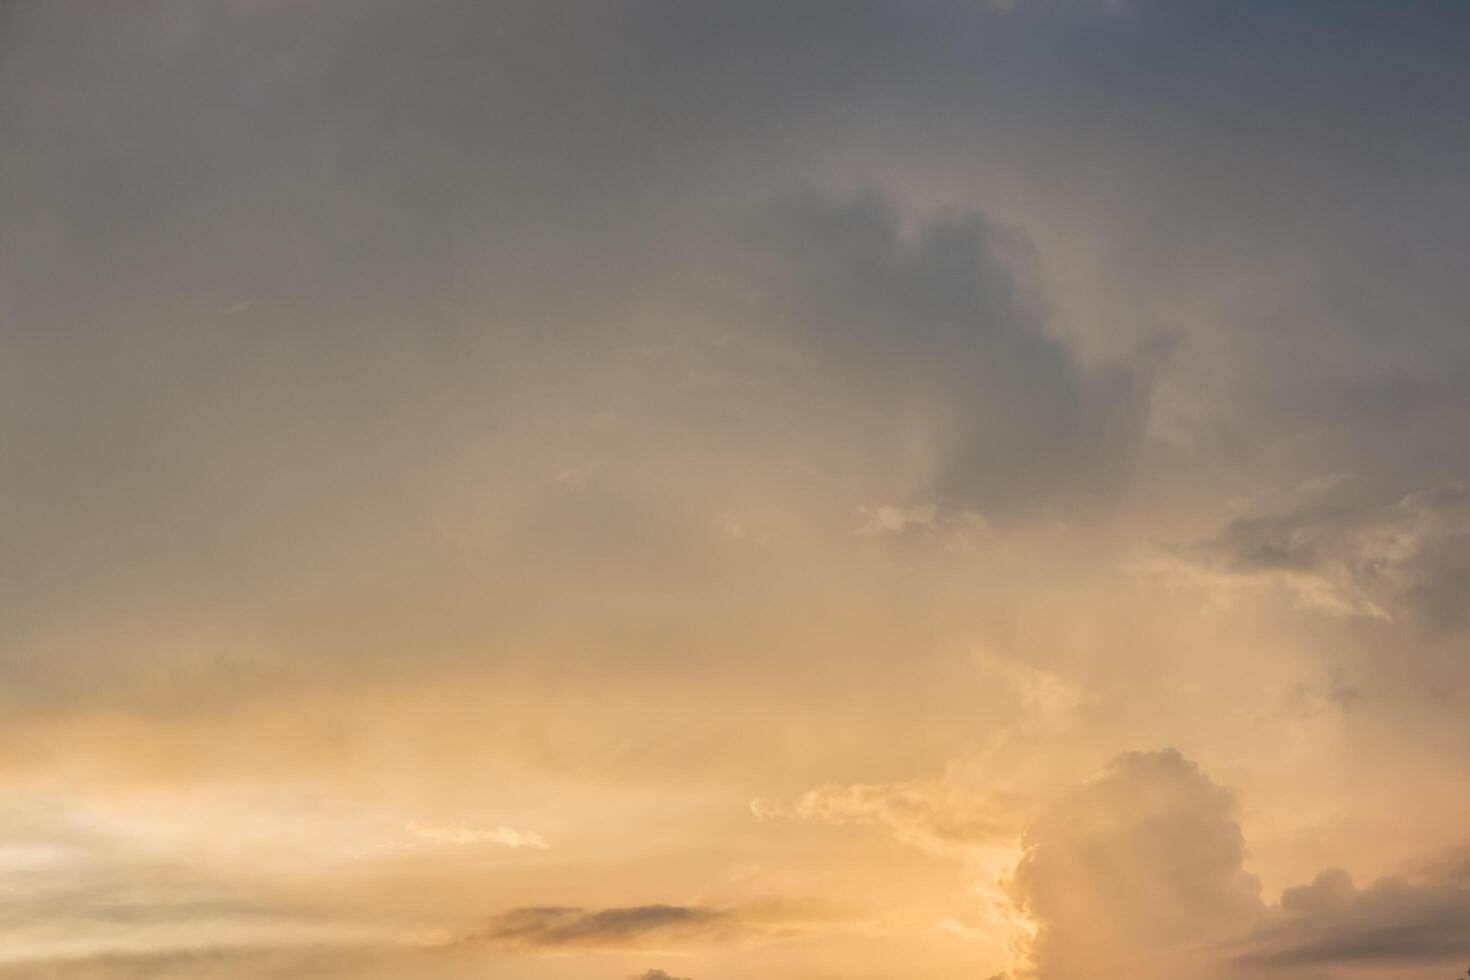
[[651, 927], [461, 833], [935, 815], [1348, 558]]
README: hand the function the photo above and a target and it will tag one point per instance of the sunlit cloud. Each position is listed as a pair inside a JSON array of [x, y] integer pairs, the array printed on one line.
[[460, 833]]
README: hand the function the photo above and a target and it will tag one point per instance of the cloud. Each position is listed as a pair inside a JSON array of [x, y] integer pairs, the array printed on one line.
[[285, 284], [1141, 864], [1308, 700], [954, 530], [547, 929], [1141, 873], [460, 834], [88, 896], [398, 285], [969, 812], [1404, 560], [1451, 866], [235, 962], [939, 815], [633, 927], [290, 277], [894, 519], [1332, 925], [655, 975], [933, 341]]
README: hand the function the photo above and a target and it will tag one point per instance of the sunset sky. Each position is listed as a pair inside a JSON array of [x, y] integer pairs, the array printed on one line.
[[684, 490]]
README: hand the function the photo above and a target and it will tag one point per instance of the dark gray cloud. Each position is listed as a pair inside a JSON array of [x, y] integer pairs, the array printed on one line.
[[517, 167], [274, 273], [635, 927], [1277, 183], [939, 338], [1354, 555], [655, 975], [616, 928], [280, 280], [1331, 924]]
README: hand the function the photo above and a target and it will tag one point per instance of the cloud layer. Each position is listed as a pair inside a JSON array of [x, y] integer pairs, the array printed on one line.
[[593, 417]]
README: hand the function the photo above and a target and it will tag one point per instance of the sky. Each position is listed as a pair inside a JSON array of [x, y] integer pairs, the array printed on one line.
[[791, 490]]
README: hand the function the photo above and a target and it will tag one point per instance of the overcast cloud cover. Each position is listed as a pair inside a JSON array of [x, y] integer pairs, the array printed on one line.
[[706, 490]]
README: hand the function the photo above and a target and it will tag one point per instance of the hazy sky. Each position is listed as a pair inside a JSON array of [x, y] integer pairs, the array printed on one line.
[[794, 490]]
